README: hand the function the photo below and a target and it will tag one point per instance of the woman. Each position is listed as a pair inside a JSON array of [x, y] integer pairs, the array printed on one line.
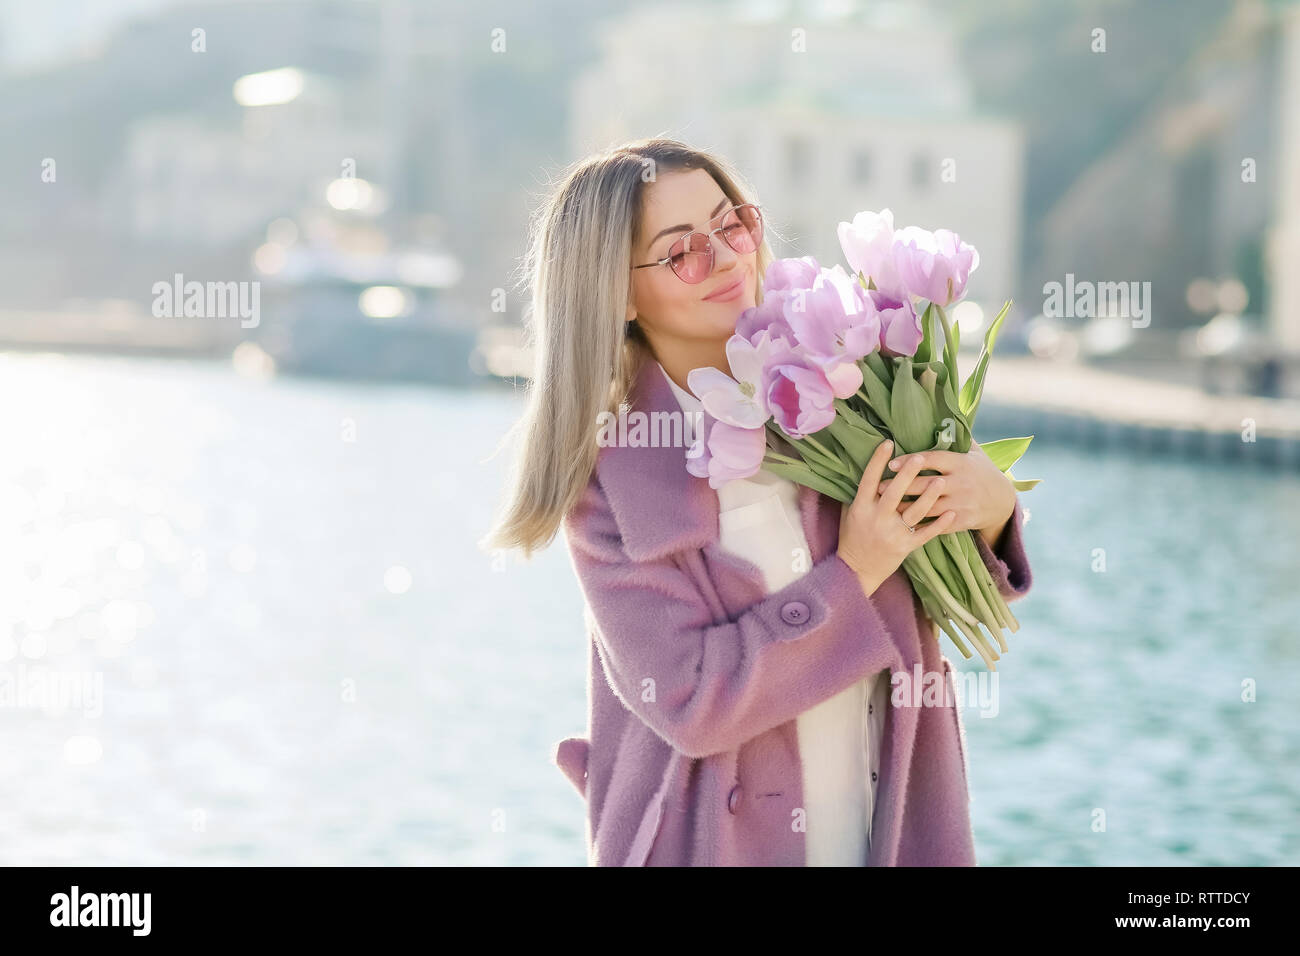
[[744, 641]]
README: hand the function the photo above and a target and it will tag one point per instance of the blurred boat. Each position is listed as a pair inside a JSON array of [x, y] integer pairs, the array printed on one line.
[[381, 316]]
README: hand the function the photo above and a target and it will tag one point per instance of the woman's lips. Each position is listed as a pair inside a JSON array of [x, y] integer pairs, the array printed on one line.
[[727, 293]]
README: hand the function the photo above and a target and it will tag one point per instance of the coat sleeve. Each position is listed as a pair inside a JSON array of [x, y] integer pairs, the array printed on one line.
[[1009, 565], [708, 687]]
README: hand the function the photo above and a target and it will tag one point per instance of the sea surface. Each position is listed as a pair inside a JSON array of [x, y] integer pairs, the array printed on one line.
[[245, 620]]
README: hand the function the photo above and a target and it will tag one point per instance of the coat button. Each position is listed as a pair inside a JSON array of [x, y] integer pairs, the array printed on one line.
[[733, 799], [795, 612], [873, 776]]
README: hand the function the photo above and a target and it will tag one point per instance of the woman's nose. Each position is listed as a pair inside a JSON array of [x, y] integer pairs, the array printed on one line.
[[724, 257]]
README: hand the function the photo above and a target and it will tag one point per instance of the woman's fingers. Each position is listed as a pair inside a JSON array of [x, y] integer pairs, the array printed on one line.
[[918, 485], [871, 475], [936, 460], [898, 485], [919, 508], [938, 526]]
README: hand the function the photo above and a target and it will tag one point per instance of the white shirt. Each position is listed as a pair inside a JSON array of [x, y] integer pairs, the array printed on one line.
[[839, 739]]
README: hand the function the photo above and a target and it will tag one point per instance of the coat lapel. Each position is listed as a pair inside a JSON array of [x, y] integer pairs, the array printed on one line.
[[659, 506]]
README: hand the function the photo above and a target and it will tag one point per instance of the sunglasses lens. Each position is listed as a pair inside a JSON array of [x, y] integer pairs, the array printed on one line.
[[692, 258], [743, 228]]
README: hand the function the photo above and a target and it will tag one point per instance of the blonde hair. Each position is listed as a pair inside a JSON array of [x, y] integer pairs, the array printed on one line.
[[585, 360]]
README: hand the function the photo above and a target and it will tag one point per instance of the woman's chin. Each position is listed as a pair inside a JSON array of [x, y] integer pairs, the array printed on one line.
[[726, 318], [720, 330]]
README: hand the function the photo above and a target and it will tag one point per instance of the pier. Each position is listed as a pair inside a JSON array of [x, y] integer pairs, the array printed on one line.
[[1101, 408]]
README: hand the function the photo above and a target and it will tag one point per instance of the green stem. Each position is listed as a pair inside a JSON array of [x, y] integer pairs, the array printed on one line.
[[934, 610], [839, 483], [977, 638], [961, 561], [808, 452], [937, 615], [832, 459], [777, 456], [996, 600], [920, 565], [953, 634]]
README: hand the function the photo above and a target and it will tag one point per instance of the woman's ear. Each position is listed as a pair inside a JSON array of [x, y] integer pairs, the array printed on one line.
[[631, 312]]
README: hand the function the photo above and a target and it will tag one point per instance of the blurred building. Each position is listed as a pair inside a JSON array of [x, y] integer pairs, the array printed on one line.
[[828, 109], [186, 177], [1204, 186]]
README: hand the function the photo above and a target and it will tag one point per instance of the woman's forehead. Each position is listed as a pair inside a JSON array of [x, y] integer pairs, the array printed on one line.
[[679, 202]]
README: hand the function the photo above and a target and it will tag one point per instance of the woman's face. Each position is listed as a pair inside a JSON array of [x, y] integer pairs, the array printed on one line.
[[671, 312]]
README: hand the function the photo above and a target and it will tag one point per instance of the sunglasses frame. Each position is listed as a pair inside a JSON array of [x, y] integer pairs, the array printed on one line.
[[708, 237]]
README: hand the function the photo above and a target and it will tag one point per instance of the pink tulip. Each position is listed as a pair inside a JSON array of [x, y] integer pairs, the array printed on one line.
[[835, 324], [798, 393], [723, 452], [783, 278], [736, 399], [934, 265], [768, 316], [785, 275], [868, 243], [900, 326]]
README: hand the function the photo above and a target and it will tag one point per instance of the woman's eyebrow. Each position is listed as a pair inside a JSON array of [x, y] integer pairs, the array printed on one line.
[[686, 226]]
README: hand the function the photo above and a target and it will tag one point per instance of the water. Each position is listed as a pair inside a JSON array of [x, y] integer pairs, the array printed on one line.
[[304, 658]]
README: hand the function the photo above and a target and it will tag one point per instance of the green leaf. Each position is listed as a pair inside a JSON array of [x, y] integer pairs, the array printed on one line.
[[836, 473], [857, 419], [945, 410], [812, 455], [925, 351], [1005, 452], [949, 344], [1022, 484], [910, 410], [858, 443], [878, 393], [928, 379], [950, 387], [884, 372], [878, 423], [973, 390], [803, 475]]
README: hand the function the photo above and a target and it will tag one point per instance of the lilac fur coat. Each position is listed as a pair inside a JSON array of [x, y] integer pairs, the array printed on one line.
[[697, 675]]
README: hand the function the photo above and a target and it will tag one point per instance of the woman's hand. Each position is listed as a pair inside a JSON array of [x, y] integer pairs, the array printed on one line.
[[878, 531], [973, 487]]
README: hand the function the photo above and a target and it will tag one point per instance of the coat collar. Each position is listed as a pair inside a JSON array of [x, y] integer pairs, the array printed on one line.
[[659, 506]]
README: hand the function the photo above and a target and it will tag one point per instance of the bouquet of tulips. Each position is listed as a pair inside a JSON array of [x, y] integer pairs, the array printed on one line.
[[834, 363]]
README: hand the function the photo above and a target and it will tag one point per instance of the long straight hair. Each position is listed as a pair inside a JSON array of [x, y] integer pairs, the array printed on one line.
[[586, 355]]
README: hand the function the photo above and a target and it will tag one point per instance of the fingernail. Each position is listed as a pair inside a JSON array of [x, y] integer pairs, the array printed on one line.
[[895, 463]]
